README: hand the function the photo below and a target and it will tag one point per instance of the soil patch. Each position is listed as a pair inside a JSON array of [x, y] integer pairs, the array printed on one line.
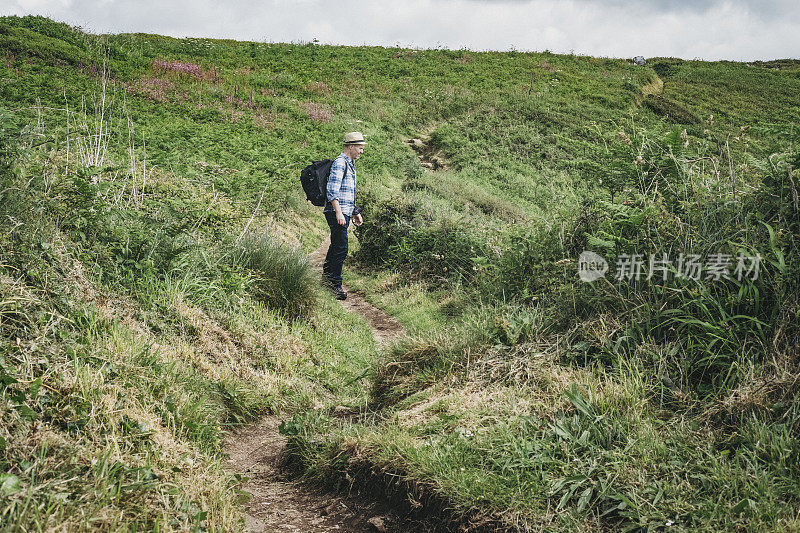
[[429, 156], [278, 503]]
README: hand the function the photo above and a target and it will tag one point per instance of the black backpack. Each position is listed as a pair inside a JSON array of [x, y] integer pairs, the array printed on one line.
[[314, 179]]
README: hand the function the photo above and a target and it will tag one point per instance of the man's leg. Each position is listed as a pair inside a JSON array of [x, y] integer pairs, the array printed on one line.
[[337, 251]]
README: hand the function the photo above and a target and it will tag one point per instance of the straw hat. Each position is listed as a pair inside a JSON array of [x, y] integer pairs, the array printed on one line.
[[354, 137]]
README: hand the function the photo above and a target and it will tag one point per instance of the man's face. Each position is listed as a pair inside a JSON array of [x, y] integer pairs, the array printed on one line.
[[355, 151]]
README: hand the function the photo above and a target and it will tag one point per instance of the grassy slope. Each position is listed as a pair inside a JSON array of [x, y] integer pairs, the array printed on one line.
[[134, 332], [535, 400]]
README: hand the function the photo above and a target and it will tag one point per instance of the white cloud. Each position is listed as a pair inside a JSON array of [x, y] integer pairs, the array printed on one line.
[[709, 29]]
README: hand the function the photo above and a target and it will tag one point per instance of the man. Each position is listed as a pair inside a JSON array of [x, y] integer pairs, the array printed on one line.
[[340, 207]]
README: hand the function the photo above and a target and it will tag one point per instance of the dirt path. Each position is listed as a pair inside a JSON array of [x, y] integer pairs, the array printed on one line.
[[384, 327], [278, 504]]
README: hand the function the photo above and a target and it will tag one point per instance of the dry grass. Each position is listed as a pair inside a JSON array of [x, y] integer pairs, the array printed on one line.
[[128, 376]]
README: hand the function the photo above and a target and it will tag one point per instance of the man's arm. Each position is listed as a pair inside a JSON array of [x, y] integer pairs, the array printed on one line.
[[334, 185], [339, 215]]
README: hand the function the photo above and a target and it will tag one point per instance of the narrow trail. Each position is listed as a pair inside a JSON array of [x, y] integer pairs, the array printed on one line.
[[384, 327], [279, 504]]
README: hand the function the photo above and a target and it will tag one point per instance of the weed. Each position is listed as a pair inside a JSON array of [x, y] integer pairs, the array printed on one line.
[[134, 328], [283, 277]]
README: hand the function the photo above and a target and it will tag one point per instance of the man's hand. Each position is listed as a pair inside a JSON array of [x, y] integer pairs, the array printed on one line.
[[338, 210], [357, 220]]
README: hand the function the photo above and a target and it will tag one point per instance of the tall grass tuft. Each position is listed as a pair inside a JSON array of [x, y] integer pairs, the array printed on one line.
[[283, 276]]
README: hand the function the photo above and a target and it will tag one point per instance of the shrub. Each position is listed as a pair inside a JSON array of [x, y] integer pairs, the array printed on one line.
[[189, 69], [670, 109], [49, 41], [667, 67], [317, 112], [398, 234], [527, 264], [284, 278]]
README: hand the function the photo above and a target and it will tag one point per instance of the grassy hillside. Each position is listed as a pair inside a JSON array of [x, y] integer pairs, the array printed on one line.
[[155, 289]]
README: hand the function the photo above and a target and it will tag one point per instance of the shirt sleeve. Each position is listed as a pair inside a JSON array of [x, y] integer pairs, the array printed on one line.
[[335, 179]]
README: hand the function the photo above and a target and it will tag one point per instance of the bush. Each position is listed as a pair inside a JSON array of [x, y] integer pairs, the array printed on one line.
[[670, 109], [284, 279], [527, 265], [47, 40], [398, 234]]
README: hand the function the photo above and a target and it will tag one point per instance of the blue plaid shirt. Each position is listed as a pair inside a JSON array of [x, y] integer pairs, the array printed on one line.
[[342, 187]]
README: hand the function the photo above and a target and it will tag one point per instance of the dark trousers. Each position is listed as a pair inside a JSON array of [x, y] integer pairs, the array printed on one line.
[[337, 251]]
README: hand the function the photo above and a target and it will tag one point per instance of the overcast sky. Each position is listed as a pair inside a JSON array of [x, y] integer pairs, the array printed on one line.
[[705, 29]]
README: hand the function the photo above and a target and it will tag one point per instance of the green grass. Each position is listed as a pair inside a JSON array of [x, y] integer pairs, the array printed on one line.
[[137, 326], [284, 279]]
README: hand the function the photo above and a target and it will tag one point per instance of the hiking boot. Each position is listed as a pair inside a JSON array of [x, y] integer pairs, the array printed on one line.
[[338, 293]]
